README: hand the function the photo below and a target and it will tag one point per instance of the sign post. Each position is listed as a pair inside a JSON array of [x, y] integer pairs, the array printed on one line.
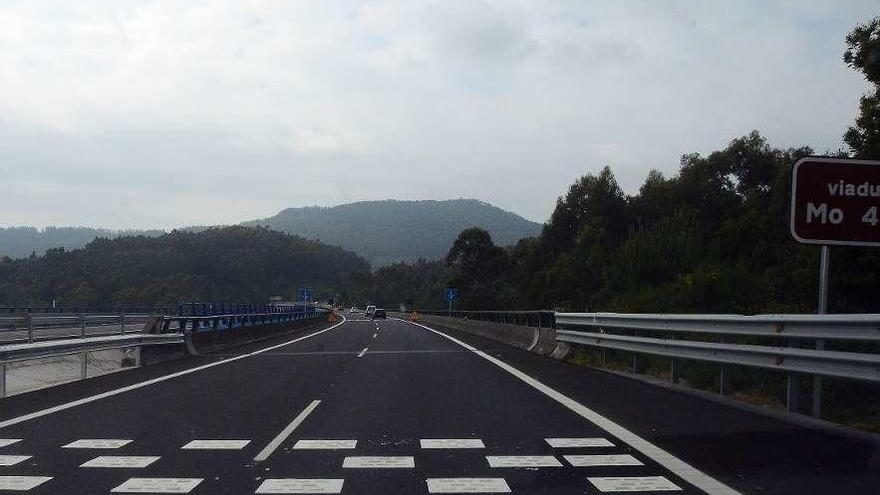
[[834, 201], [451, 293]]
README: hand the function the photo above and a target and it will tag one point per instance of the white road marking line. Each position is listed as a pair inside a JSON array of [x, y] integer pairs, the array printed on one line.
[[377, 462], [299, 485], [364, 351], [602, 460], [12, 460], [96, 443], [216, 445], [21, 483], [467, 485], [325, 444], [268, 449], [526, 461], [374, 335], [682, 469], [452, 443], [634, 484], [111, 393], [158, 485], [8, 441], [578, 442], [120, 461]]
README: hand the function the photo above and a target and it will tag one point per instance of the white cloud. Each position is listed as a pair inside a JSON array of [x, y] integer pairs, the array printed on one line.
[[160, 113]]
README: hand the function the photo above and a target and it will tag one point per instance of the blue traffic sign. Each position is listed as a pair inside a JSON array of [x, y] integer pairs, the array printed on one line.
[[305, 295], [451, 293]]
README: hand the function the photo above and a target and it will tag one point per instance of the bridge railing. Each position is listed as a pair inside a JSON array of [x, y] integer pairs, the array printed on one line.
[[839, 346]]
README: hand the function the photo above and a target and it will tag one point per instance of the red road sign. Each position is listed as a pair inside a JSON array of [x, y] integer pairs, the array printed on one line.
[[836, 201]]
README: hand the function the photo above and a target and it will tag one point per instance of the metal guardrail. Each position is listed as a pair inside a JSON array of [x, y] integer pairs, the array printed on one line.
[[708, 338], [183, 324]]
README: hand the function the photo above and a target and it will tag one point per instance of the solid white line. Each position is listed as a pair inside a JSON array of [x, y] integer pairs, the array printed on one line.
[[374, 335], [364, 351], [682, 469], [268, 449], [110, 393]]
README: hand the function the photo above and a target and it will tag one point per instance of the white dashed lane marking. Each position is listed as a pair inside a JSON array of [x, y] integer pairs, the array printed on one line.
[[216, 445], [364, 351], [120, 461], [294, 485], [578, 442], [452, 443], [503, 461], [325, 444], [369, 462], [158, 485], [12, 460], [634, 484], [96, 443], [22, 483], [8, 441], [602, 460], [467, 485]]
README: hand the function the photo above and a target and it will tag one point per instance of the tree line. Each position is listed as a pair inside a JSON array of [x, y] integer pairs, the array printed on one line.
[[712, 238]]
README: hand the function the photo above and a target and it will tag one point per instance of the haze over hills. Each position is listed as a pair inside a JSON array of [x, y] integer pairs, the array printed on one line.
[[383, 232], [390, 231]]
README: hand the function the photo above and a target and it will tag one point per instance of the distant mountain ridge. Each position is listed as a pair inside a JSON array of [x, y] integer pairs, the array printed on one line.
[[391, 231], [383, 232]]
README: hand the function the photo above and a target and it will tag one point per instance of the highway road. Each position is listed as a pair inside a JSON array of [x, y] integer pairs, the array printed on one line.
[[392, 407]]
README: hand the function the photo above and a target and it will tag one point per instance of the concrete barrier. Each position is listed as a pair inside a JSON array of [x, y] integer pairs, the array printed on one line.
[[538, 340]]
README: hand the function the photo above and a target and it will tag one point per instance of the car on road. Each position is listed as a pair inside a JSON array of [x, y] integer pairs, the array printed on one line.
[[379, 313], [370, 310]]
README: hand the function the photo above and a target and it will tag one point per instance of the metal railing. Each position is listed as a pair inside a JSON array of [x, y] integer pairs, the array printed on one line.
[[794, 344], [34, 327], [183, 324]]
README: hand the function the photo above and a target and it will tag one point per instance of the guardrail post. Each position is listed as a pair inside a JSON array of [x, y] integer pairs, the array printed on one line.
[[82, 328], [792, 392], [28, 320], [2, 380], [122, 324], [817, 386], [84, 370], [673, 366]]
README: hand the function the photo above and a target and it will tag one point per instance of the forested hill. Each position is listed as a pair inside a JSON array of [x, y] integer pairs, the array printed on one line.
[[218, 264], [390, 231]]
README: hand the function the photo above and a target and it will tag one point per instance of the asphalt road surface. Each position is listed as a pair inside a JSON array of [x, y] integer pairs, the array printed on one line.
[[391, 407]]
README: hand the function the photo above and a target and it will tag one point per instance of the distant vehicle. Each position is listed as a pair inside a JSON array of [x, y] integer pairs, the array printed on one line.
[[379, 313], [354, 309], [370, 309]]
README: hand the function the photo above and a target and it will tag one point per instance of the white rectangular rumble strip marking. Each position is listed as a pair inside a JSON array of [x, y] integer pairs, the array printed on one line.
[[561, 443], [603, 460], [370, 462], [634, 484], [502, 461], [325, 444], [12, 460], [298, 485], [8, 441], [216, 445], [96, 443], [467, 485], [452, 443], [120, 461], [158, 485], [22, 483]]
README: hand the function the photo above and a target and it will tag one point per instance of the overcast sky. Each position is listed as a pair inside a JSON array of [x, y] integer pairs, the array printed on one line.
[[136, 114]]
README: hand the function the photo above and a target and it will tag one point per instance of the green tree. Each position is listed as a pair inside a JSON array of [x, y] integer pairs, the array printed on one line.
[[480, 270], [863, 54]]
